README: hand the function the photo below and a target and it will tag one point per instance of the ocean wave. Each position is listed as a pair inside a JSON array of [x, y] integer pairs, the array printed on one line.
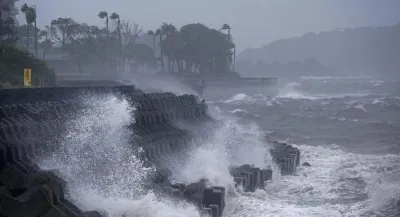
[[102, 168], [338, 183], [295, 90], [374, 104], [239, 97], [273, 102], [332, 77], [234, 111]]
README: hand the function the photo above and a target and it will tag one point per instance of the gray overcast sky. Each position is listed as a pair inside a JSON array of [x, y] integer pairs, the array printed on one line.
[[254, 22]]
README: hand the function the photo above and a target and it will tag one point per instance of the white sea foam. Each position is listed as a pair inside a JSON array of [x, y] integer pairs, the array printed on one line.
[[98, 160], [326, 188]]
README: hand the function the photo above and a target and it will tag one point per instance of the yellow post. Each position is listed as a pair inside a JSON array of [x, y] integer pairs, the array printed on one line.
[[27, 77]]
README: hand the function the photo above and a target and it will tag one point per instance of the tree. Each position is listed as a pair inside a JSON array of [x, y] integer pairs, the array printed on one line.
[[94, 42], [161, 58], [151, 33], [91, 40], [30, 18], [33, 11], [7, 26], [139, 53], [227, 27], [168, 30], [194, 46], [89, 45], [200, 47], [115, 16], [104, 15], [65, 33], [129, 32], [62, 30], [12, 64], [7, 32]]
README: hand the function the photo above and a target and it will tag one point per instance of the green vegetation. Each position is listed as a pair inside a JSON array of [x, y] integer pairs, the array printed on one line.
[[30, 18], [196, 46], [12, 64], [14, 60], [192, 48], [7, 30]]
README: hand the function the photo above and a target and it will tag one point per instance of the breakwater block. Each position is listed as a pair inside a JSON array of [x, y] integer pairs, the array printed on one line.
[[250, 178], [286, 156], [32, 121]]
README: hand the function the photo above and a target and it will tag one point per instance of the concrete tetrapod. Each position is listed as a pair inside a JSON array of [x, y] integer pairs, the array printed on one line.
[[251, 178], [31, 122], [29, 191]]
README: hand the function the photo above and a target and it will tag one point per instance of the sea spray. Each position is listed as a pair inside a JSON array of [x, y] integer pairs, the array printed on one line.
[[99, 160], [230, 144]]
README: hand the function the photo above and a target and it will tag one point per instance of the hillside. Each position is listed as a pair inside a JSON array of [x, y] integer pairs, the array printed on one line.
[[364, 50]]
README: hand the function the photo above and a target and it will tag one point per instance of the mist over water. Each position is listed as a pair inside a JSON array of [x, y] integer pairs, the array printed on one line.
[[230, 144], [347, 128]]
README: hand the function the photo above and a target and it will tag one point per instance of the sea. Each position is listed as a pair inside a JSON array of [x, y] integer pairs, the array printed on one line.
[[347, 129]]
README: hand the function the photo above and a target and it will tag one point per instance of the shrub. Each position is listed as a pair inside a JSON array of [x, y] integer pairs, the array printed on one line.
[[13, 61]]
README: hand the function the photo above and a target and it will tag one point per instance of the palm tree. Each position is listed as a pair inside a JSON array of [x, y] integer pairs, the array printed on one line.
[[168, 30], [33, 11], [158, 32], [115, 16], [104, 15], [150, 32], [227, 27], [30, 17]]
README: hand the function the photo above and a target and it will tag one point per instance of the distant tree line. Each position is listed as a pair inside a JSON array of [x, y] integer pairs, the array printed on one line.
[[192, 48]]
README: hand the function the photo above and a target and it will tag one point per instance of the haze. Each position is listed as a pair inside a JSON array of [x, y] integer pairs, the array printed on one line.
[[254, 23]]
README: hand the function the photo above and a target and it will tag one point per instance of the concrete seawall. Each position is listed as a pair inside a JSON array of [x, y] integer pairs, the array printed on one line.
[[32, 119]]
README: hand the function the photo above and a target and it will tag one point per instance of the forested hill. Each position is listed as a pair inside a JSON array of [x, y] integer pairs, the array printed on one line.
[[363, 50]]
